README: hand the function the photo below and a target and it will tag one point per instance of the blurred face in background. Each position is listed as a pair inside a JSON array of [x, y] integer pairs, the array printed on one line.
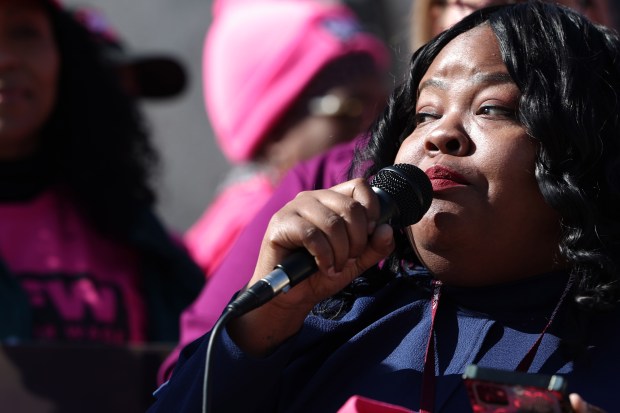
[[338, 115], [29, 70], [445, 13]]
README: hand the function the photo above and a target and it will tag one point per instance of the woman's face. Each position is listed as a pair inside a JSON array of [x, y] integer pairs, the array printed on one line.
[[488, 221], [29, 67], [340, 115], [443, 14]]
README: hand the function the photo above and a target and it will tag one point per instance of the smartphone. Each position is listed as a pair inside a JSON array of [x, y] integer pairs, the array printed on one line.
[[503, 391]]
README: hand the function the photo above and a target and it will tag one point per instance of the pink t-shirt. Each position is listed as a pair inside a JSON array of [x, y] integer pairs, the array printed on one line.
[[212, 236], [82, 287]]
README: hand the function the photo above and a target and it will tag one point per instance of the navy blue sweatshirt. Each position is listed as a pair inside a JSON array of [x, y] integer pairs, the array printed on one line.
[[377, 351]]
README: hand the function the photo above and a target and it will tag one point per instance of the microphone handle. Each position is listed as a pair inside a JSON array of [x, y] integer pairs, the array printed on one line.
[[295, 268], [298, 266]]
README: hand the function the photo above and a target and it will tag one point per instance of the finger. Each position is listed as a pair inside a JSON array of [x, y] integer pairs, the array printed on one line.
[[580, 406], [380, 246], [365, 205], [346, 227], [362, 192], [299, 230], [345, 221]]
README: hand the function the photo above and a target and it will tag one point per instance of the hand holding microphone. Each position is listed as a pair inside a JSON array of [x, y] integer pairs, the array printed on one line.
[[341, 230], [316, 245]]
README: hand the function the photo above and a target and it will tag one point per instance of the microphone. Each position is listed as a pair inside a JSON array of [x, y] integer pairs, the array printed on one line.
[[405, 194]]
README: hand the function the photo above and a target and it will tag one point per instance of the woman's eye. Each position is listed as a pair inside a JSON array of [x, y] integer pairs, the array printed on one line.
[[422, 117], [500, 111]]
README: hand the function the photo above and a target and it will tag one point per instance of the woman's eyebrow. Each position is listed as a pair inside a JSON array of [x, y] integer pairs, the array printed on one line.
[[434, 83], [492, 78]]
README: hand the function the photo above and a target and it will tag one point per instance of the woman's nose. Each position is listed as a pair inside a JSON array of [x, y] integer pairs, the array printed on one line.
[[448, 137]]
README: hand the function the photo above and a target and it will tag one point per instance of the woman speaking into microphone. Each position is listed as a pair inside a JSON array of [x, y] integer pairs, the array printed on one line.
[[513, 114]]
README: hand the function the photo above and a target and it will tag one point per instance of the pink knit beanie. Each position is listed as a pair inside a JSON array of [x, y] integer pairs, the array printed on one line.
[[259, 56]]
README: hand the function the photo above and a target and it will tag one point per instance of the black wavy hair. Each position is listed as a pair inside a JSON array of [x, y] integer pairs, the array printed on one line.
[[96, 143], [568, 72]]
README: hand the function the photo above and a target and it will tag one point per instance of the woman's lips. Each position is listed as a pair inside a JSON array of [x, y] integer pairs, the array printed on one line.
[[442, 178]]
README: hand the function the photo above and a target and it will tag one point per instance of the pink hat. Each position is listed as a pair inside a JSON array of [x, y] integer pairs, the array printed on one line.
[[259, 56]]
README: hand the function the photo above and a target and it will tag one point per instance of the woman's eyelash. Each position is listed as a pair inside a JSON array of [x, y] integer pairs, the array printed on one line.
[[500, 110], [422, 117], [490, 110]]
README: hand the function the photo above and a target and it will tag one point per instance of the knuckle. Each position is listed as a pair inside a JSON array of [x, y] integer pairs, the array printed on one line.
[[276, 218], [333, 222], [354, 208], [279, 219], [275, 236], [301, 195], [311, 234]]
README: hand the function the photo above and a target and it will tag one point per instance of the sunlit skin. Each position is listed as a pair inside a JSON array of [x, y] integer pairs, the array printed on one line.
[[29, 69], [490, 206]]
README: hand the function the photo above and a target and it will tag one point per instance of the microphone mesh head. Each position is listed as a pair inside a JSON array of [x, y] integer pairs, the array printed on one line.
[[410, 189]]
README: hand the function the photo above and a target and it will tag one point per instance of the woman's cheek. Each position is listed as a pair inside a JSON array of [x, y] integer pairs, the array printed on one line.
[[410, 152]]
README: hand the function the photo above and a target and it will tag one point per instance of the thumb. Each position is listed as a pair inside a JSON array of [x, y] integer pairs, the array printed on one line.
[[580, 406]]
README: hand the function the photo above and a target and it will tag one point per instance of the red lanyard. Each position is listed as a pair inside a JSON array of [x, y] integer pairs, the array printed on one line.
[[427, 404], [525, 364]]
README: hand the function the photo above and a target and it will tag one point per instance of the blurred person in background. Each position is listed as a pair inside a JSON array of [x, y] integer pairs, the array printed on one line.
[[283, 82], [83, 257]]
